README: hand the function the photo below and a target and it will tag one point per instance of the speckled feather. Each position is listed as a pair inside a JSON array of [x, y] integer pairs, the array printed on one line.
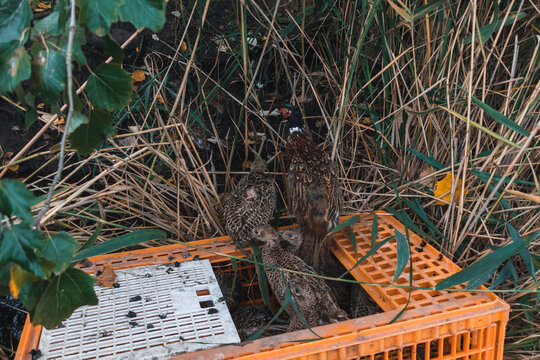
[[313, 195], [251, 204], [312, 295]]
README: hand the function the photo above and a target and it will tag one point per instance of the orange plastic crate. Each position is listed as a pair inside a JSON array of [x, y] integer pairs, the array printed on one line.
[[442, 325]]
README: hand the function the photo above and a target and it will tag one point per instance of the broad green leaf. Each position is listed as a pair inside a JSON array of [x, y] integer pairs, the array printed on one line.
[[79, 39], [497, 116], [475, 283], [351, 221], [485, 264], [15, 17], [428, 159], [352, 237], [99, 14], [15, 199], [505, 273], [77, 119], [87, 136], [487, 30], [402, 254], [144, 13], [14, 68], [49, 25], [112, 48], [109, 87], [60, 249], [25, 286], [133, 238], [18, 244], [50, 74], [66, 292], [30, 116]]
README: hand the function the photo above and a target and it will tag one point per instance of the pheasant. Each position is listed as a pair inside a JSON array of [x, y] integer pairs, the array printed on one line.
[[293, 239], [313, 190], [251, 204], [312, 296]]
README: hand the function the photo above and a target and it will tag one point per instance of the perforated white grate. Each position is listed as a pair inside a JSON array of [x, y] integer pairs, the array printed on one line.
[[156, 312]]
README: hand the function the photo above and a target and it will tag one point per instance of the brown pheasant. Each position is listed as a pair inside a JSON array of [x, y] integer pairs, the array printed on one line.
[[312, 295], [313, 190], [251, 204]]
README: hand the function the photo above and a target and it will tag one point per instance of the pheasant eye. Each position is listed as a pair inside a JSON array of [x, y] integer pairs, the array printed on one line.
[[285, 112]]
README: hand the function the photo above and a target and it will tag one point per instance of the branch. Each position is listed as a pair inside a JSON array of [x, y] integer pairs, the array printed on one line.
[[72, 28]]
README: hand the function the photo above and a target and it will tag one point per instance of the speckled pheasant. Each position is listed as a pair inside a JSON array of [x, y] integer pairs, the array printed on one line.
[[361, 303], [293, 239], [251, 204], [312, 295], [313, 190]]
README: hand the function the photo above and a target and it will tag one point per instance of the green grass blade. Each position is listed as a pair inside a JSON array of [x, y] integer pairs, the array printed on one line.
[[402, 255]]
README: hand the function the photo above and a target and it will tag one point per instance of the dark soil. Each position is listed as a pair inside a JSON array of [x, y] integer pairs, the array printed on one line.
[[12, 320]]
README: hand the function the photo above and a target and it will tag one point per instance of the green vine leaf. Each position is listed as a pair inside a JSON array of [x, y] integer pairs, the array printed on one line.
[[50, 73], [15, 17], [60, 249], [25, 286], [94, 133], [99, 14], [65, 293], [15, 199], [77, 120], [18, 244], [109, 87], [144, 13], [14, 67]]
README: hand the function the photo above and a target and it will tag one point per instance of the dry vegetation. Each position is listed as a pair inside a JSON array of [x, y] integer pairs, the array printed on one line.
[[398, 93]]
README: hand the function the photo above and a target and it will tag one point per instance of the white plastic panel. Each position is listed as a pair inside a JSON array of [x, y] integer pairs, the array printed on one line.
[[155, 312]]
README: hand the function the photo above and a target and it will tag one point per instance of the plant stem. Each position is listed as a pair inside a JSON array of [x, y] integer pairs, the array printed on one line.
[[71, 35]]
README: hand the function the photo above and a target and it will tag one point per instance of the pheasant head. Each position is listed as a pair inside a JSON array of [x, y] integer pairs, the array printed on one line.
[[293, 116]]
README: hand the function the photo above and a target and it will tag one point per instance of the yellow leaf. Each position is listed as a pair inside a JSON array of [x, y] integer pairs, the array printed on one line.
[[183, 46], [443, 189], [17, 278], [137, 49], [107, 276], [160, 99], [40, 105], [43, 5], [138, 75], [13, 167], [60, 121]]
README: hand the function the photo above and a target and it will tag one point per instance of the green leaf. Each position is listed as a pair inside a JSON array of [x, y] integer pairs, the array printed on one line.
[[372, 251], [109, 87], [402, 254], [79, 39], [133, 238], [50, 74], [18, 244], [92, 239], [144, 13], [475, 283], [99, 14], [87, 136], [49, 25], [30, 288], [14, 68], [4, 279], [527, 259], [487, 263], [505, 273], [65, 293], [30, 116], [428, 159], [112, 48], [257, 256], [426, 9], [497, 116], [15, 199], [60, 249], [77, 119], [487, 30], [15, 17], [352, 220]]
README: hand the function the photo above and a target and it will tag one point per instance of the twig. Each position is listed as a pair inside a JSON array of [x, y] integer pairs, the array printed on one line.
[[71, 35]]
